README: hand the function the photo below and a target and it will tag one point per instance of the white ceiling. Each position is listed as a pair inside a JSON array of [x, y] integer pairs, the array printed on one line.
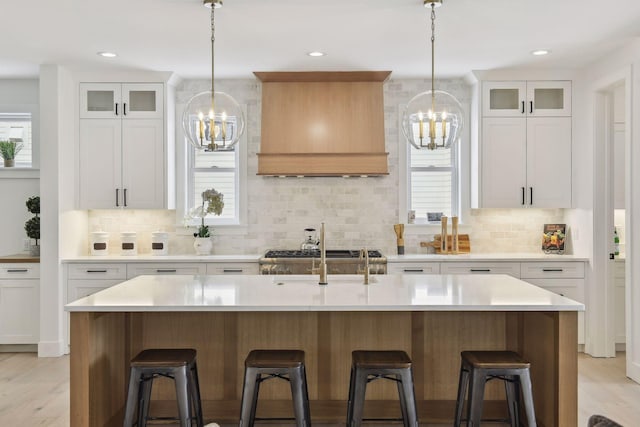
[[275, 35]]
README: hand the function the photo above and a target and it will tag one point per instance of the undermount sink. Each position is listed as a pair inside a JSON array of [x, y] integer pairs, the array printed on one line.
[[336, 279]]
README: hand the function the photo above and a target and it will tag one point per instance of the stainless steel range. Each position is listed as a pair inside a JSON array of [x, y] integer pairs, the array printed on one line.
[[339, 261]]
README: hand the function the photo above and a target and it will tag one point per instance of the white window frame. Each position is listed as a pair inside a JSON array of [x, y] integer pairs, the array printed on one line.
[[185, 159], [458, 178], [34, 170]]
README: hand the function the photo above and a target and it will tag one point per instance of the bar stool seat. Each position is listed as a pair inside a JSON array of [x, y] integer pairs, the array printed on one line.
[[478, 367], [178, 364], [371, 365], [262, 365]]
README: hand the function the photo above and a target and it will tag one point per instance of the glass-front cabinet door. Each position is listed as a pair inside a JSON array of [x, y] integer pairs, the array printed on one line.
[[121, 100], [543, 98], [504, 98], [549, 98]]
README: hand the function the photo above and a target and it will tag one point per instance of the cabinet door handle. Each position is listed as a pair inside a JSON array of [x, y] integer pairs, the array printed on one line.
[[116, 108], [522, 107], [530, 196], [96, 271], [480, 270], [530, 107], [166, 270], [414, 270], [232, 270], [17, 270], [557, 270], [124, 109], [522, 195], [117, 197], [125, 197]]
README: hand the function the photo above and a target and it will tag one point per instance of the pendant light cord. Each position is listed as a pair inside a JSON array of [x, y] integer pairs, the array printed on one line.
[[433, 61], [213, 39]]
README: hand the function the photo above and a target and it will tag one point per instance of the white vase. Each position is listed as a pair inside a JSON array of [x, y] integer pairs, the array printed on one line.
[[203, 245]]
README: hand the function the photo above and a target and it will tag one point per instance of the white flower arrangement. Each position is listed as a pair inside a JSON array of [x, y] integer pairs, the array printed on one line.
[[212, 203]]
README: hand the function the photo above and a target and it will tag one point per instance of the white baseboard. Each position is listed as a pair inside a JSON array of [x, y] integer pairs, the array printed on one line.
[[50, 349], [621, 347]]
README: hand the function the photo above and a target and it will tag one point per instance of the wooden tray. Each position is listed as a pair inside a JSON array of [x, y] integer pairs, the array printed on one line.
[[464, 244]]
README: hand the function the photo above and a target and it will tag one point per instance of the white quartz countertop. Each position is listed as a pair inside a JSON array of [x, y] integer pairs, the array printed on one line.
[[162, 258], [507, 256], [343, 293]]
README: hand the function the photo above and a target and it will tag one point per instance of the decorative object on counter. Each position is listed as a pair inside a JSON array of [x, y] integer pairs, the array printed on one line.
[[399, 229], [454, 235], [99, 243], [32, 226], [212, 203], [159, 243], [553, 237], [128, 243], [444, 244], [616, 242], [440, 110], [311, 241], [9, 150], [213, 121], [464, 244]]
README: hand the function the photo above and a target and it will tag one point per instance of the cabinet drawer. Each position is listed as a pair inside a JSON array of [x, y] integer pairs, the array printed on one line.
[[77, 289], [19, 271], [570, 288], [97, 271], [135, 270], [233, 268], [552, 270], [413, 268], [510, 268]]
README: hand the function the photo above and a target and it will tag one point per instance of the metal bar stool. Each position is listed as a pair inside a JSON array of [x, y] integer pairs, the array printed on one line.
[[262, 365], [178, 364], [477, 368], [369, 366]]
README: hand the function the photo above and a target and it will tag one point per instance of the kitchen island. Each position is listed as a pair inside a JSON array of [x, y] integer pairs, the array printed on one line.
[[432, 317]]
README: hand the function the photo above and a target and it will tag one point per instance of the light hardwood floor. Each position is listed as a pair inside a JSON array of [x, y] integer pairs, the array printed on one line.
[[35, 391]]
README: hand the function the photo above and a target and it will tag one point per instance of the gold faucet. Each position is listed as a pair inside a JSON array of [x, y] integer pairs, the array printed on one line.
[[364, 253], [323, 258]]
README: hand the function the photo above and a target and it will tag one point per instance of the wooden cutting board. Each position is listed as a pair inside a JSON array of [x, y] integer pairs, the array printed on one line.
[[464, 244]]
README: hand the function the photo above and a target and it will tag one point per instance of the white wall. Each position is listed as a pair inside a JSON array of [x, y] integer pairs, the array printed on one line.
[[17, 95]]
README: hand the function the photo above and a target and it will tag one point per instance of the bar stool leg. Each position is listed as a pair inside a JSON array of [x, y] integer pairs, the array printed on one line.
[[132, 398], [249, 397], [307, 409], [408, 397], [182, 396], [195, 394], [403, 402], [146, 383], [352, 381], [359, 391], [298, 395], [462, 394], [476, 397], [511, 389], [527, 396]]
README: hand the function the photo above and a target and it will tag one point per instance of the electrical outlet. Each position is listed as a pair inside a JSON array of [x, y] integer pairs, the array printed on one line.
[[26, 244]]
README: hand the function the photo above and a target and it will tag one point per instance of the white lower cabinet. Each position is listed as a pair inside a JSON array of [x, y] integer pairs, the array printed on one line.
[[562, 278], [510, 268], [19, 303], [164, 268], [413, 268], [232, 268]]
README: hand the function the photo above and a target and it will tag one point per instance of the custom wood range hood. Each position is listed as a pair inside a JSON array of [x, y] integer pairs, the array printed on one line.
[[322, 124]]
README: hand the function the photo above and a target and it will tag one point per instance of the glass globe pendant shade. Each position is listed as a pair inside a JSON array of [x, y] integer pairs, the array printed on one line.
[[213, 129], [432, 122]]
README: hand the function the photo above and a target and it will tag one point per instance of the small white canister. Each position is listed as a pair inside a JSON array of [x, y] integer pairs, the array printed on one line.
[[128, 243], [99, 243], [159, 243]]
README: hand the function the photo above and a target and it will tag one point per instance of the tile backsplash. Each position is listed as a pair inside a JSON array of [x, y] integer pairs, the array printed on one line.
[[358, 212]]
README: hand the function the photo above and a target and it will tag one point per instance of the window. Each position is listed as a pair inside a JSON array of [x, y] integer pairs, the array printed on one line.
[[433, 182], [16, 127]]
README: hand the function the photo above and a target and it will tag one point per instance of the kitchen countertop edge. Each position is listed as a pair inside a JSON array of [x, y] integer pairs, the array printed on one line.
[[161, 258], [501, 257]]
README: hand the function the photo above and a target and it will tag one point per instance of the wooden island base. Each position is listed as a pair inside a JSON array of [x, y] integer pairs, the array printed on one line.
[[103, 343]]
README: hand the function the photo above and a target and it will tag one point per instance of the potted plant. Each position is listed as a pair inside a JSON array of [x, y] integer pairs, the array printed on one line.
[[32, 226], [212, 203], [9, 150]]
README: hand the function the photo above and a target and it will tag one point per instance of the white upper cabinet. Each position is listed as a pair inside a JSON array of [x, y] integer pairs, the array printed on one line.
[[122, 146], [121, 100], [526, 98]]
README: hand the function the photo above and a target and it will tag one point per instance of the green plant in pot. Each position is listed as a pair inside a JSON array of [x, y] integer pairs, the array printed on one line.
[[32, 226], [9, 150], [212, 203]]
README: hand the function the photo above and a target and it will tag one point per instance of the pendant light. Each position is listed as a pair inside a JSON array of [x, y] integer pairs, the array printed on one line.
[[432, 119], [213, 121]]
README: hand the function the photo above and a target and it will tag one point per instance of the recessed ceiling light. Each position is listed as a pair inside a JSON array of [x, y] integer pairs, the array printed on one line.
[[316, 53], [540, 52], [107, 54]]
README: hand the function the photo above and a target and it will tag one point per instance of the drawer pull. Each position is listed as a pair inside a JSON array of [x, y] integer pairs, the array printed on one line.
[[96, 271], [232, 270], [17, 270], [557, 270], [480, 270], [166, 270], [414, 270]]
